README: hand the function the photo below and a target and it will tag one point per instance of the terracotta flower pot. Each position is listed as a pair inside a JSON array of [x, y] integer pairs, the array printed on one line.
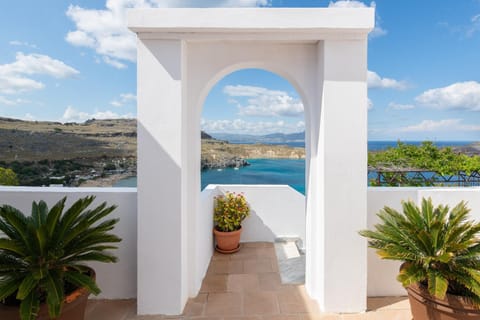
[[426, 307], [227, 242], [74, 307]]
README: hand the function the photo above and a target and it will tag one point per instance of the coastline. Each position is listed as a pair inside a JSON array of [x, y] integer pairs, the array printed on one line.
[[108, 181]]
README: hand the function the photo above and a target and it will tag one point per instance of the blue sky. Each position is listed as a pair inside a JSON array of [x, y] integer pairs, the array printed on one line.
[[75, 60]]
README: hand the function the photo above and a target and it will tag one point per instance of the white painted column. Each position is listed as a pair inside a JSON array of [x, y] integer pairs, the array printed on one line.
[[162, 243], [337, 199]]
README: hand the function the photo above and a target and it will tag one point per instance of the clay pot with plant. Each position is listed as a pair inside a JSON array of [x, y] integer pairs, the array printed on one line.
[[229, 212], [43, 256], [440, 251]]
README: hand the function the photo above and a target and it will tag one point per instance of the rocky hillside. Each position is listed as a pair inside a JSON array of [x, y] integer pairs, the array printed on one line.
[[93, 139], [221, 154]]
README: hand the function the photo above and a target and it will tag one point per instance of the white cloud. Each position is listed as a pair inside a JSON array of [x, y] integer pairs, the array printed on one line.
[[399, 106], [80, 38], [378, 31], [460, 95], [123, 99], [106, 32], [114, 63], [22, 43], [376, 81], [211, 3], [13, 75], [440, 125], [12, 102], [245, 127], [347, 4], [11, 84], [38, 64], [263, 102], [474, 26], [73, 115]]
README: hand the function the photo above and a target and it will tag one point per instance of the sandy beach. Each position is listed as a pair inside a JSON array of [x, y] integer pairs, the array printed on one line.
[[108, 181]]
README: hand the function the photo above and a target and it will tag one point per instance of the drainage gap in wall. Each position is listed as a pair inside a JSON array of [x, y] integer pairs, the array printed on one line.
[[291, 260]]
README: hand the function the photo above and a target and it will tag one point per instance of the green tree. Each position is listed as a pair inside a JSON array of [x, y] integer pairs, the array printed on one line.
[[8, 177]]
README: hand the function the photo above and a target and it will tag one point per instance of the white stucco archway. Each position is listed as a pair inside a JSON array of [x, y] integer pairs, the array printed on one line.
[[182, 53]]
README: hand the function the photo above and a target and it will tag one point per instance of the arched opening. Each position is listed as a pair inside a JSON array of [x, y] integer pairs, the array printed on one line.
[[253, 131], [253, 142]]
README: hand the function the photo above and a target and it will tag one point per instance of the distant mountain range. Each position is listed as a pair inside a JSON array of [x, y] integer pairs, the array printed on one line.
[[274, 138]]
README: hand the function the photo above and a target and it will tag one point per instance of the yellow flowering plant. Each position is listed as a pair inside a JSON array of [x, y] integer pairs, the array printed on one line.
[[229, 211]]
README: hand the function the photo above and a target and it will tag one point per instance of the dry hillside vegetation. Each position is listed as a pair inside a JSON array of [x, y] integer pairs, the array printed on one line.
[[35, 140]]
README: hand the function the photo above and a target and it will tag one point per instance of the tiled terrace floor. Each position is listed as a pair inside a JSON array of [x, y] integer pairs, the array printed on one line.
[[246, 286]]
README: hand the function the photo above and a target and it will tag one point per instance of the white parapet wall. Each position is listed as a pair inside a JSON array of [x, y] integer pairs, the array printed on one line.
[[277, 211], [116, 280], [382, 273]]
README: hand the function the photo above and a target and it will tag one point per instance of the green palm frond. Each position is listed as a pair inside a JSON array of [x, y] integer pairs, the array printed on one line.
[[42, 252], [440, 247]]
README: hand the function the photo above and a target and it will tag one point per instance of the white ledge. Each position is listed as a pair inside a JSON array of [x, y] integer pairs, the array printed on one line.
[[225, 23]]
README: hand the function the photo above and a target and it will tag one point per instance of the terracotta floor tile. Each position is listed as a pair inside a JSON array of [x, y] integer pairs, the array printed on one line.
[[266, 252], [258, 244], [390, 315], [260, 303], [269, 281], [245, 253], [227, 303], [112, 309], [226, 267], [258, 265], [354, 316], [242, 282], [214, 283], [196, 306], [325, 316], [283, 317], [220, 256], [157, 317], [387, 303]]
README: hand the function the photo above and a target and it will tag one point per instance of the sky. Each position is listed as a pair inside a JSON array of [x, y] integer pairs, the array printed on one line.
[[75, 60]]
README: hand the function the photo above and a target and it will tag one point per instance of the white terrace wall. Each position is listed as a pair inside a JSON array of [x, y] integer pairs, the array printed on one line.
[[118, 280], [270, 212]]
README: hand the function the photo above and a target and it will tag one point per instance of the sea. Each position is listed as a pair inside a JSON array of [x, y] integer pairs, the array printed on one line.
[[279, 171]]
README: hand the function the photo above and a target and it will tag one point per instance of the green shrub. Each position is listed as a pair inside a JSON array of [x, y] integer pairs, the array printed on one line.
[[8, 177], [229, 211], [43, 254], [440, 247]]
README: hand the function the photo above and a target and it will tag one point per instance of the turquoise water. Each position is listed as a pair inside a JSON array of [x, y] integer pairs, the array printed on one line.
[[261, 171]]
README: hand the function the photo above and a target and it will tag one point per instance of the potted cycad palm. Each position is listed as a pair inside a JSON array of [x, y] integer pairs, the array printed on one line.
[[229, 212], [440, 250], [43, 274]]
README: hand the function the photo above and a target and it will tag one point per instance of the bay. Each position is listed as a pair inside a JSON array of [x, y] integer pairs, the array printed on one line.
[[278, 171]]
